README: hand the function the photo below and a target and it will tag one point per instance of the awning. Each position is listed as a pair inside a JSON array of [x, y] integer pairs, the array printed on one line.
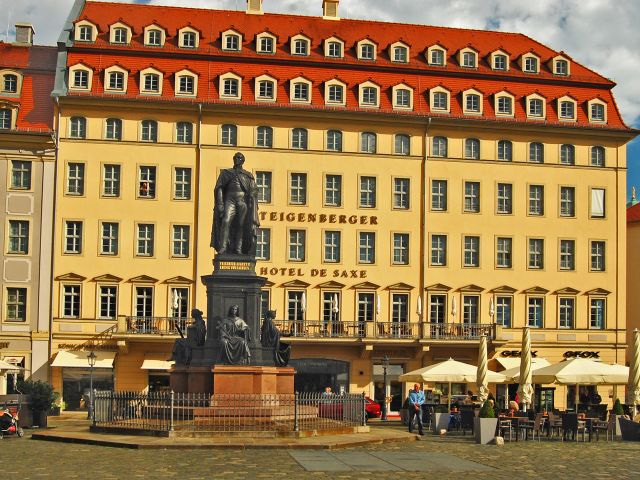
[[156, 361], [6, 366], [512, 362], [78, 359]]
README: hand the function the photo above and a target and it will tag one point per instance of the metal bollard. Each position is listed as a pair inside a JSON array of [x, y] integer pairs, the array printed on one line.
[[295, 412]]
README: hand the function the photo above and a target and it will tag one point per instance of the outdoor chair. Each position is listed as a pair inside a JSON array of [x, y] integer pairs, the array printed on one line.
[[571, 424], [506, 426], [466, 420], [609, 427], [555, 424], [536, 427]]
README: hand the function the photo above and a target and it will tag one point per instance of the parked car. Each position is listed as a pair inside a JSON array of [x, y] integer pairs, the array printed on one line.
[[334, 410], [372, 408]]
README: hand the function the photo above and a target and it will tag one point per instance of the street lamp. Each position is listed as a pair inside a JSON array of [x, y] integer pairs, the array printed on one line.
[[91, 358], [385, 365]]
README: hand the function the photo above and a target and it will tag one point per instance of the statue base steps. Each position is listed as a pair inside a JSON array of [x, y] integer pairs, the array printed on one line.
[[235, 379]]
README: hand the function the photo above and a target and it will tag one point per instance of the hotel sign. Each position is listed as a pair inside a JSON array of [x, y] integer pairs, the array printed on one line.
[[302, 217], [313, 272]]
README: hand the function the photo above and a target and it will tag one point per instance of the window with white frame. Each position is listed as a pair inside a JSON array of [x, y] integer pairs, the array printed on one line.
[[20, 175], [402, 144], [113, 130], [154, 37], [471, 252], [299, 139], [77, 127], [470, 309], [439, 195], [401, 193], [436, 57], [73, 237], [186, 85], [504, 252], [16, 304], [109, 235], [147, 181], [370, 96], [301, 92], [401, 54], [567, 312], [298, 189], [439, 147], [151, 83], [535, 312], [188, 40], [366, 308], [264, 136], [403, 98], [469, 59], [505, 150], [597, 112], [597, 313], [231, 42], [184, 132], [334, 50], [75, 179], [500, 62], [401, 249], [597, 256], [149, 131], [440, 101], [145, 240], [85, 33], [597, 156], [115, 81], [399, 307], [111, 180], [295, 306], [567, 110], [503, 310], [472, 197], [561, 67], [536, 254], [333, 190], [368, 142], [108, 301], [300, 47], [567, 254], [437, 308], [536, 152], [530, 65], [71, 301], [439, 250], [331, 247], [366, 247], [567, 202], [367, 192], [144, 302], [472, 148], [598, 203], [81, 79], [472, 103], [263, 183], [266, 89], [5, 119], [536, 200], [266, 44], [120, 35], [297, 249], [334, 140], [504, 106], [535, 107], [263, 244], [504, 202], [367, 51], [335, 94], [180, 241], [229, 136], [18, 237], [10, 83], [230, 87]]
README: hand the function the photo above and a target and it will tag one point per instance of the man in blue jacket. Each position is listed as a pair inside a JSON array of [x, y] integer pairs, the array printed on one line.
[[416, 399]]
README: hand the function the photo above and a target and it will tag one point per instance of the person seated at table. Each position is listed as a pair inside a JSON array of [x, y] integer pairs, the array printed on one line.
[[469, 399], [513, 408]]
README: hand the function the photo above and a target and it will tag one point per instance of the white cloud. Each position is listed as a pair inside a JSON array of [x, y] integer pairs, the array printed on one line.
[[600, 34]]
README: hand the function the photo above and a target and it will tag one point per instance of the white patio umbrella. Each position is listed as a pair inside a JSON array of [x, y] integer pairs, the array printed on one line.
[[513, 374], [450, 371], [454, 307], [633, 385], [525, 387], [481, 379], [303, 302]]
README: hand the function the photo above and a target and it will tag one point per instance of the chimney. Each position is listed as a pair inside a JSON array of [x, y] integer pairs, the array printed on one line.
[[254, 7], [24, 33], [330, 9]]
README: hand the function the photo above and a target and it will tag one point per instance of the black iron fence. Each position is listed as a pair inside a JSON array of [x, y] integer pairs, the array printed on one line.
[[192, 412]]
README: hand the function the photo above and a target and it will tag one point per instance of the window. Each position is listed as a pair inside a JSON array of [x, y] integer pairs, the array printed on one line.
[[266, 45], [109, 238], [147, 182], [230, 87], [149, 132], [439, 195], [438, 250], [367, 247], [439, 147], [597, 256], [567, 110], [567, 312], [16, 304], [73, 237], [597, 203], [367, 192], [180, 303], [20, 175], [5, 119], [263, 244], [536, 200], [437, 308], [403, 98], [86, 33], [120, 35], [471, 251], [184, 132], [366, 309], [367, 52], [536, 152], [263, 182], [182, 183], [336, 94], [472, 197], [145, 240], [297, 245], [440, 101], [81, 79], [472, 148], [368, 142], [597, 112], [301, 92], [18, 237], [114, 129], [151, 82], [229, 135], [567, 155], [300, 47], [266, 89], [370, 96], [504, 252], [500, 62], [535, 312], [536, 107], [186, 84], [232, 42], [402, 144], [562, 67], [333, 190], [567, 255], [505, 106], [78, 128], [71, 301], [401, 193], [108, 301], [401, 54], [536, 254], [334, 140], [264, 137], [154, 38], [469, 59], [75, 179], [470, 309], [472, 103], [299, 138], [401, 249], [116, 81], [10, 83], [180, 241], [298, 189], [597, 156], [399, 307], [567, 202], [144, 302], [331, 247], [597, 313], [330, 310], [295, 306], [334, 50], [111, 181], [503, 311], [505, 198], [188, 40], [437, 57], [531, 65]]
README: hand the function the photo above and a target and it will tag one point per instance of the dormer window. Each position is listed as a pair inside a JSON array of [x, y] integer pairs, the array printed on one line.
[[154, 38], [115, 81], [597, 112], [500, 62], [403, 98], [567, 110], [333, 48], [186, 85], [266, 43], [120, 35], [400, 54], [86, 33], [334, 93], [230, 87], [300, 47], [81, 79], [188, 40], [535, 107], [300, 92], [369, 95], [469, 60], [10, 84], [266, 89], [530, 65], [440, 100], [505, 106], [151, 82], [5, 119], [472, 103], [436, 57], [366, 50], [561, 67], [231, 42]]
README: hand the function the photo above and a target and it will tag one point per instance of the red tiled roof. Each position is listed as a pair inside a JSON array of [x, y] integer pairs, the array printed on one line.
[[209, 61], [633, 213]]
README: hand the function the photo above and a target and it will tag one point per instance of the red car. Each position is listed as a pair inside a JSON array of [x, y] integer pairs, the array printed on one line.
[[372, 408], [334, 411]]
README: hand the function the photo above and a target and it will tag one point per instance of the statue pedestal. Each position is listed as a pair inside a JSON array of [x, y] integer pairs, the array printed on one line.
[[230, 379], [191, 379]]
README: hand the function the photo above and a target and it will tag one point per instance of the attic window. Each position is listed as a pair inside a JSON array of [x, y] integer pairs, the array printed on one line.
[[120, 35], [232, 42], [266, 45], [500, 62], [562, 67], [334, 50], [400, 54], [469, 60], [531, 65], [5, 119], [86, 33], [437, 57], [154, 38], [367, 52], [10, 84], [301, 47], [188, 40], [597, 112]]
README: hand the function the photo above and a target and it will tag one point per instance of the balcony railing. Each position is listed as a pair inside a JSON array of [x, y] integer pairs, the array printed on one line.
[[465, 331], [154, 325]]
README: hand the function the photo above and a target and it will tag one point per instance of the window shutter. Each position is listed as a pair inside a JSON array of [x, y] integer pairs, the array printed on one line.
[[597, 202]]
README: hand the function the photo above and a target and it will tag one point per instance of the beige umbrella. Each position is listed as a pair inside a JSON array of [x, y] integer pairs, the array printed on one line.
[[481, 378], [633, 385], [513, 374], [525, 387]]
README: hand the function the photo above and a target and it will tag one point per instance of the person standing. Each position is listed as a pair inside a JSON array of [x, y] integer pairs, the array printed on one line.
[[416, 399]]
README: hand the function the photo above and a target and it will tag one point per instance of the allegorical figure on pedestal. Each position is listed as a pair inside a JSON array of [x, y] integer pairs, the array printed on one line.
[[270, 337], [235, 336], [235, 215], [196, 336]]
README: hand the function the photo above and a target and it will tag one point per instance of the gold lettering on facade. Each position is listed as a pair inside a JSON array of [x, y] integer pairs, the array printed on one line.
[[314, 272], [318, 218], [234, 266]]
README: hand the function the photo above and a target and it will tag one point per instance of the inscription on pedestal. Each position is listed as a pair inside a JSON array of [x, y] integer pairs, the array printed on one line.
[[234, 265]]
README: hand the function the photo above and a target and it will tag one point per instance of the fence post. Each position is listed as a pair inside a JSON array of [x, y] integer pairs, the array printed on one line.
[[93, 408], [171, 412], [295, 412], [364, 410]]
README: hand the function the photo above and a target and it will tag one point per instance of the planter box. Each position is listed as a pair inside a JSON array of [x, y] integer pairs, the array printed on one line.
[[617, 430], [630, 430], [484, 430], [441, 422]]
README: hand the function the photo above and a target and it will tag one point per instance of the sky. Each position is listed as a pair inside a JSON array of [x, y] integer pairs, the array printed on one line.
[[600, 34]]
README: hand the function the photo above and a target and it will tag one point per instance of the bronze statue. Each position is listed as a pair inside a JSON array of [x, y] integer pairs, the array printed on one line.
[[234, 338], [196, 336], [199, 328], [270, 337], [235, 215]]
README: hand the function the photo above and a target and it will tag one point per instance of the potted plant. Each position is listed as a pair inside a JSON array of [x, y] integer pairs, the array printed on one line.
[[484, 425], [56, 407], [42, 399], [617, 412]]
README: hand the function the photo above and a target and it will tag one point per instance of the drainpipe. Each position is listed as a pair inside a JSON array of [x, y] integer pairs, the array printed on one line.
[[196, 208], [423, 230]]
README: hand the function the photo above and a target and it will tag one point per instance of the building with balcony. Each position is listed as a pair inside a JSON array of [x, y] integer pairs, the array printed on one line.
[[419, 187]]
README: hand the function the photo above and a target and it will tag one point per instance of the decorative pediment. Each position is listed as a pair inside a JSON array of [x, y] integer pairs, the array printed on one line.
[[365, 286], [535, 291], [598, 291], [438, 287], [504, 289], [106, 278], [400, 286], [295, 284], [268, 283], [70, 277], [471, 288], [330, 284], [179, 279], [143, 279], [567, 291]]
